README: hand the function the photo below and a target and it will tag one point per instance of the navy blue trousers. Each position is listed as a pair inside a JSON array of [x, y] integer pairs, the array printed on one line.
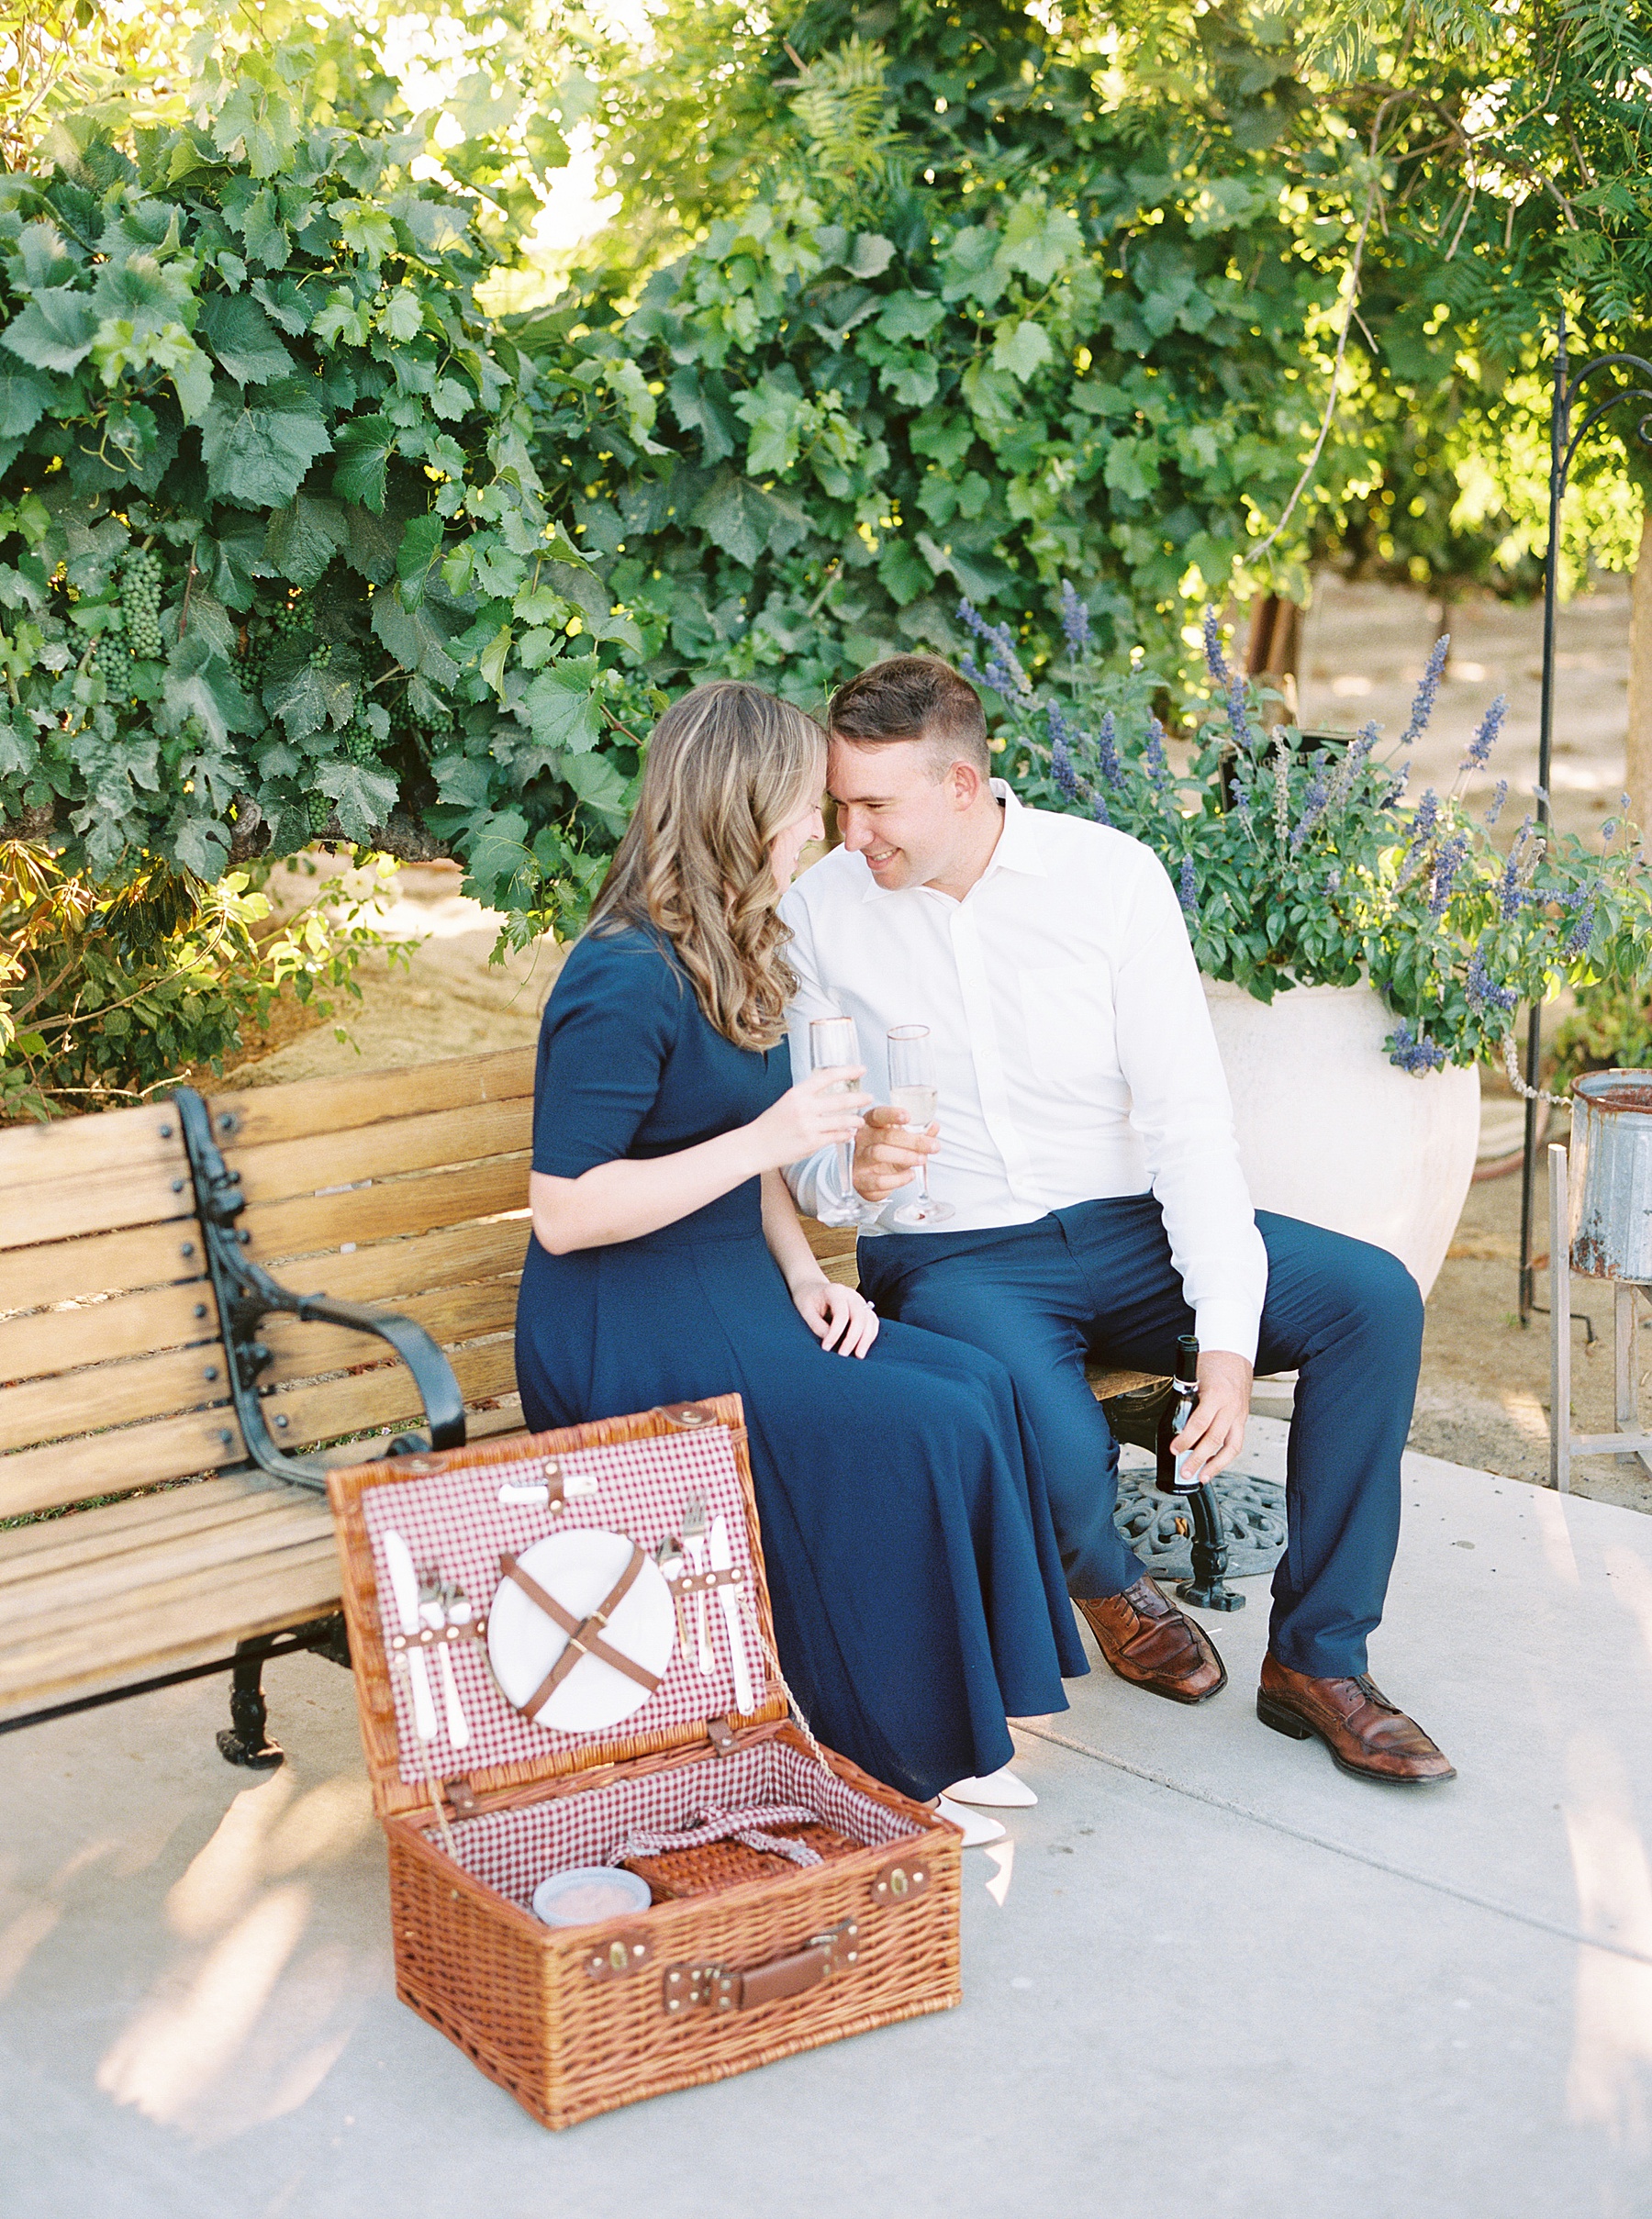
[[1096, 1281]]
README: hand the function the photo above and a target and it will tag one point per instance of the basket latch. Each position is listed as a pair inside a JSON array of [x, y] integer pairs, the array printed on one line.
[[626, 1952], [898, 1884], [720, 1733], [719, 1988]]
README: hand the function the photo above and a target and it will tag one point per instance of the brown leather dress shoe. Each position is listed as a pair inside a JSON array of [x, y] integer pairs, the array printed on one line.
[[1365, 1734], [1149, 1642]]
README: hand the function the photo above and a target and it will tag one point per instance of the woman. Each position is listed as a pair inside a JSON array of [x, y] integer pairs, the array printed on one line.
[[917, 1591]]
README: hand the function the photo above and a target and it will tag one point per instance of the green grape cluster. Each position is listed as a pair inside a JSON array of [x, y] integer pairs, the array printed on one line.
[[111, 657], [320, 809], [319, 657], [360, 745], [290, 618], [141, 581]]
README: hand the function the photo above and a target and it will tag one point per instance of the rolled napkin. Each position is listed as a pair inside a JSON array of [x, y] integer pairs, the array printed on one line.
[[745, 1826]]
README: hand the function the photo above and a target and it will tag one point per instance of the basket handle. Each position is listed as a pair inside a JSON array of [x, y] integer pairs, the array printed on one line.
[[718, 1988]]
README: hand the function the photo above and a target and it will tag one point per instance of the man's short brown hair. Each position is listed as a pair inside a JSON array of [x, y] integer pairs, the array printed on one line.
[[913, 697]]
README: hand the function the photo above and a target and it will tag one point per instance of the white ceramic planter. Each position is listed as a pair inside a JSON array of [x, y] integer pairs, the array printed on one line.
[[1330, 1132]]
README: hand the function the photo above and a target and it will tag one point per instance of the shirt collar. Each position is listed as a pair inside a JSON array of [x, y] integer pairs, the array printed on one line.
[[1017, 849]]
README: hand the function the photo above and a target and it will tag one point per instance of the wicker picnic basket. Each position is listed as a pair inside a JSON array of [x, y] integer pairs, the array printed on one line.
[[743, 1955]]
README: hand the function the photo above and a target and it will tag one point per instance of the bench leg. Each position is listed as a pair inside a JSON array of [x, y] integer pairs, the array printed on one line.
[[1208, 1589], [244, 1740]]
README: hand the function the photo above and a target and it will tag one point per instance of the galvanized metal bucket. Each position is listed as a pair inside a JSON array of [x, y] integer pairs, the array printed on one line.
[[1610, 1175]]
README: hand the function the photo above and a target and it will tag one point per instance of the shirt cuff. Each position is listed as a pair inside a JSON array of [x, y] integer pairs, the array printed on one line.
[[818, 1188], [1227, 1323]]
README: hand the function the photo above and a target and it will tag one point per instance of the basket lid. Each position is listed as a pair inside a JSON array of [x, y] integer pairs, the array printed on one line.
[[472, 1528]]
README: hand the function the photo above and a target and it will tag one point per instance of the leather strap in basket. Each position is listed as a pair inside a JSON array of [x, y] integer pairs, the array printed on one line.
[[583, 1640]]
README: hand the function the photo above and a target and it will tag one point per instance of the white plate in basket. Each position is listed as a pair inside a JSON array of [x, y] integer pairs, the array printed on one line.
[[579, 1568]]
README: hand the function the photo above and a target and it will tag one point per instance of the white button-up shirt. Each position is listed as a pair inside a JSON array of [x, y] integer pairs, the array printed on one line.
[[1072, 1045]]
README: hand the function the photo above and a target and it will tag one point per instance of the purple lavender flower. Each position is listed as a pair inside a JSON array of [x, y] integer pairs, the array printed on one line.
[[1414, 1051], [1075, 620], [1396, 792], [1314, 803], [1112, 770], [1484, 992], [1422, 835], [1003, 672], [1238, 713], [1485, 738], [1581, 901], [1157, 768], [1216, 663], [1512, 893], [1187, 887], [1447, 866], [1061, 771], [1098, 808], [1497, 798], [1423, 705]]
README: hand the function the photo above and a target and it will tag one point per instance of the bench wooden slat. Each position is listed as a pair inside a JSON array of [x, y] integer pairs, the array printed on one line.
[[380, 1151], [109, 1262], [97, 1201], [204, 1613], [178, 1447], [449, 1316], [117, 1462], [175, 1550], [305, 1108], [284, 1231], [389, 1271], [118, 1525], [148, 1387], [56, 1341], [385, 1397], [144, 1139]]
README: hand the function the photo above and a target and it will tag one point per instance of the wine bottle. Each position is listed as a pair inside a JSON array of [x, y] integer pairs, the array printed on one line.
[[1183, 1394]]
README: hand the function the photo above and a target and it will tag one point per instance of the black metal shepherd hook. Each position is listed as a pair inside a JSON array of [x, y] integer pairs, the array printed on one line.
[[1564, 444]]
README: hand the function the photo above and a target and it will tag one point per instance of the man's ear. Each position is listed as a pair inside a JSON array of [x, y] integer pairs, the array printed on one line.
[[968, 784]]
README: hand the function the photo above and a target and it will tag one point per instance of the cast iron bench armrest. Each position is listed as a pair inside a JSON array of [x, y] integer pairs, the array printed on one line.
[[247, 1294]]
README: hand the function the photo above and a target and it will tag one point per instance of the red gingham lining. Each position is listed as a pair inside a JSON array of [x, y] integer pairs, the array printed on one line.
[[512, 1851], [456, 1527]]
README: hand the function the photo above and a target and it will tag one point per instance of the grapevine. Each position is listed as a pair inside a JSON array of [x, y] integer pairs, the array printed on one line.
[[141, 581]]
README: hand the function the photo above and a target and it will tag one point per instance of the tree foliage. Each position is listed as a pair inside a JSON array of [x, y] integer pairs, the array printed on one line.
[[243, 357]]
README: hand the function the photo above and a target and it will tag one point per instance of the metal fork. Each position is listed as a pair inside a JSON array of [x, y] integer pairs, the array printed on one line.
[[694, 1546], [434, 1608]]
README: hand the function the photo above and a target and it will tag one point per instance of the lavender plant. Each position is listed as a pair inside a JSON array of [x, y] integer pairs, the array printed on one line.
[[1298, 867]]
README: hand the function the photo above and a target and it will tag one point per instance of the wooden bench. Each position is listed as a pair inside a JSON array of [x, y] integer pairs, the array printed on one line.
[[140, 1541], [161, 1514]]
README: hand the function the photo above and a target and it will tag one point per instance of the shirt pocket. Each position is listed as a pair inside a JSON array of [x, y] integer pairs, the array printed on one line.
[[1068, 1010]]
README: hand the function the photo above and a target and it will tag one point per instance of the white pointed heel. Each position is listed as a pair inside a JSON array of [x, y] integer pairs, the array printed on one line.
[[999, 1791], [978, 1831]]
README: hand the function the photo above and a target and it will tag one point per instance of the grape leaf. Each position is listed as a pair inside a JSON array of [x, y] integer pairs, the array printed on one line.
[[240, 334], [257, 447], [560, 706], [303, 538], [365, 797], [200, 682], [22, 399], [54, 331], [364, 446], [419, 551], [413, 638]]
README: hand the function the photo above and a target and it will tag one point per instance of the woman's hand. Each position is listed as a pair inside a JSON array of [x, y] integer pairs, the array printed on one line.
[[811, 1116], [839, 1317]]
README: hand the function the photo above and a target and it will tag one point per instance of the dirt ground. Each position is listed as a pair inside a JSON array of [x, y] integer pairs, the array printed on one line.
[[1483, 1400]]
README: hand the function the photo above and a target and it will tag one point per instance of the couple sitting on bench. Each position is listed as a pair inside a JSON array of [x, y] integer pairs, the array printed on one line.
[[934, 1478]]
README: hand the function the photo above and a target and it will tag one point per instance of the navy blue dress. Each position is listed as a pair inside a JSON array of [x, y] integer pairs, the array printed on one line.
[[917, 1588]]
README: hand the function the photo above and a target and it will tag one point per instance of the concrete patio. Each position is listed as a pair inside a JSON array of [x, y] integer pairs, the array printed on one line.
[[1213, 1976]]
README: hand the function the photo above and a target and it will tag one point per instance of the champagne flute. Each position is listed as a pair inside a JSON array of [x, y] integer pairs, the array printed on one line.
[[834, 1041], [913, 1087]]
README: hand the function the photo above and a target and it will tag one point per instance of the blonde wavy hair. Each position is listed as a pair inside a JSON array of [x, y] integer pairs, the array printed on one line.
[[729, 767]]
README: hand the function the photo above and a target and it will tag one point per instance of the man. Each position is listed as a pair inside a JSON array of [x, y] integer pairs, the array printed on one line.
[[1085, 1138]]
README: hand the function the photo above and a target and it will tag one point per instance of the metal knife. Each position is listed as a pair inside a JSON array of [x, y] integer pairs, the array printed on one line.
[[722, 1560], [404, 1583]]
